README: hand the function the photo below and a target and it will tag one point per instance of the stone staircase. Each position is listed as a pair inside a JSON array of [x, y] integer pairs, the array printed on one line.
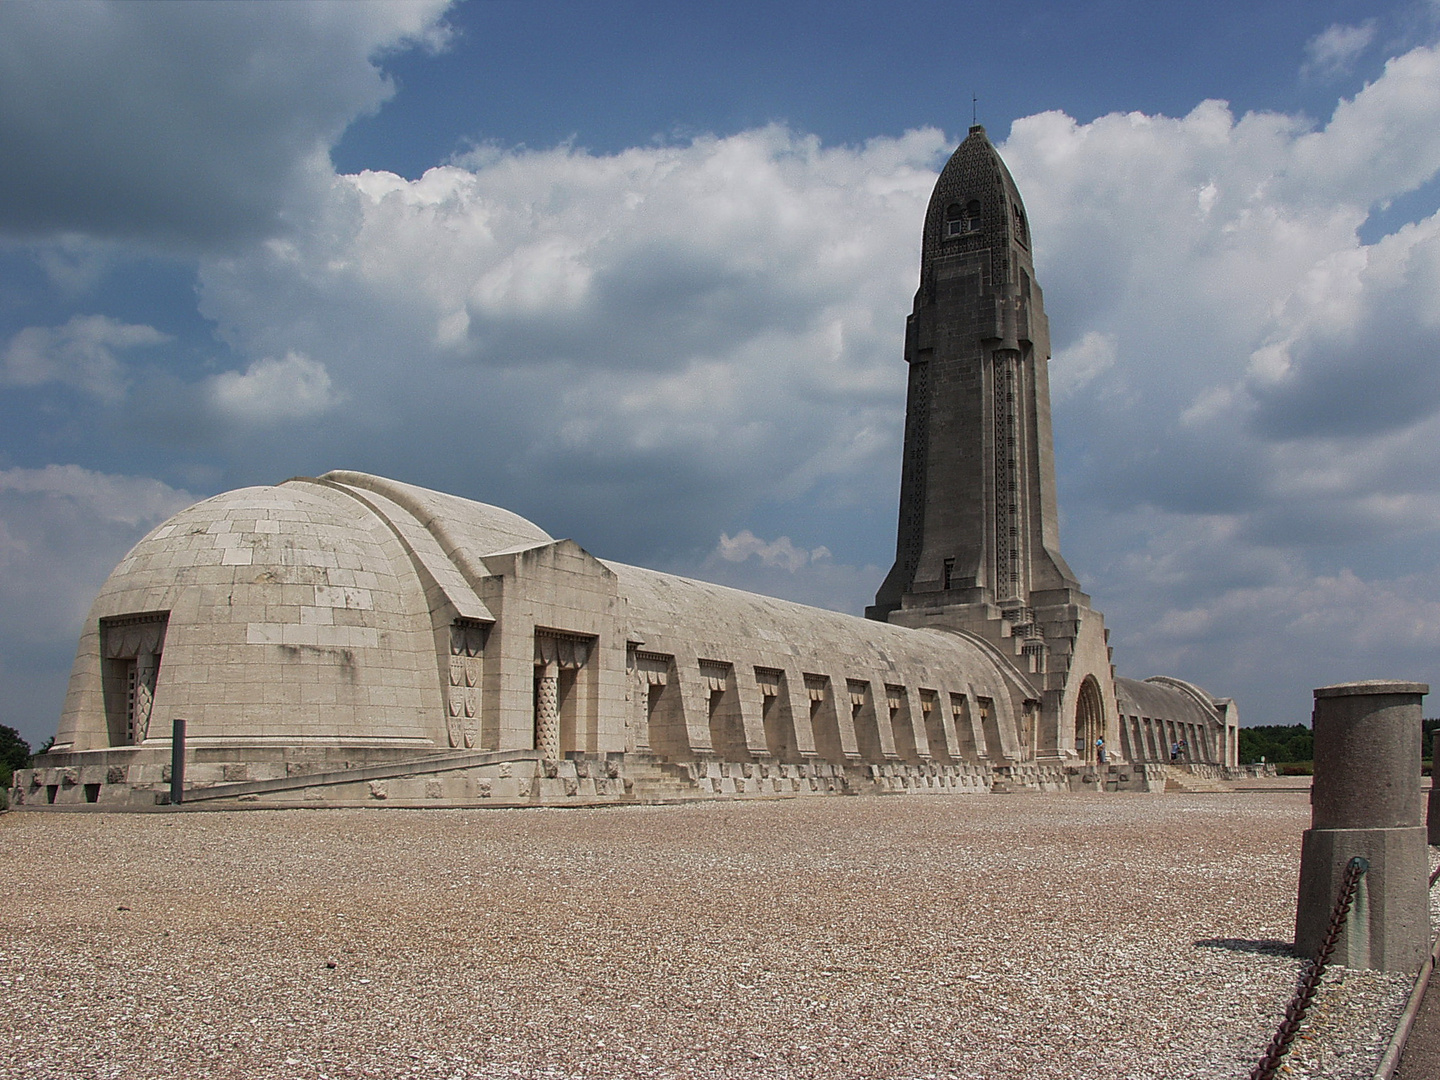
[[649, 780], [1179, 778]]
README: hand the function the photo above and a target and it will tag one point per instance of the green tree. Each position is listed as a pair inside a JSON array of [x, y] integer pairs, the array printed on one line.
[[14, 754], [1281, 743], [1276, 742]]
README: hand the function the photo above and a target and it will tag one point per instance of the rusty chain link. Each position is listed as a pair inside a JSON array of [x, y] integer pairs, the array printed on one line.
[[1305, 992]]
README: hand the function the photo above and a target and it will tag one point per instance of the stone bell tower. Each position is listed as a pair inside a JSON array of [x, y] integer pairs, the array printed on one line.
[[978, 546]]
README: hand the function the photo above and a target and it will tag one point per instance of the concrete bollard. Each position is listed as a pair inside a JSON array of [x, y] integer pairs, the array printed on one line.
[[1432, 816], [1365, 800], [177, 762]]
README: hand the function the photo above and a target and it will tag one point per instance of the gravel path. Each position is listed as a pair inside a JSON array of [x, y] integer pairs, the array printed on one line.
[[1009, 936]]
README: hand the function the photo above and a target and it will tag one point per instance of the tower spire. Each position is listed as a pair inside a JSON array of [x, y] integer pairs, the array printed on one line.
[[978, 521]]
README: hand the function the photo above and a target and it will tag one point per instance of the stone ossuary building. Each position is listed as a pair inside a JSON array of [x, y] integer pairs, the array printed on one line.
[[356, 639]]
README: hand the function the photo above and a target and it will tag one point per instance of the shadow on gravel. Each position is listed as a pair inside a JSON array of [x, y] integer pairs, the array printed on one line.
[[1267, 946]]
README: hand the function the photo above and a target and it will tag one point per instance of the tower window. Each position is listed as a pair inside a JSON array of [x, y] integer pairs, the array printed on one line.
[[949, 572], [960, 220], [1019, 216]]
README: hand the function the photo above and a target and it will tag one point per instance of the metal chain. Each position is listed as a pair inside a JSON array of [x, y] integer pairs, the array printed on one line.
[[1310, 984]]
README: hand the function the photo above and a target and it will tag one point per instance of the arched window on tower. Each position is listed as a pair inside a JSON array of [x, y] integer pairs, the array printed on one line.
[[1019, 216], [960, 220]]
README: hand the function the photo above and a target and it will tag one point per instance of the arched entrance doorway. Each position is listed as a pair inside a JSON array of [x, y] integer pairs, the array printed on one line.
[[1089, 720]]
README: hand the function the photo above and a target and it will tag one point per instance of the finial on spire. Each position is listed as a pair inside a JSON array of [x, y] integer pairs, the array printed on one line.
[[974, 110]]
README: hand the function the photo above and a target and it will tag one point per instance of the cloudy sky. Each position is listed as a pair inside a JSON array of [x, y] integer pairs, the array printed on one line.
[[639, 271]]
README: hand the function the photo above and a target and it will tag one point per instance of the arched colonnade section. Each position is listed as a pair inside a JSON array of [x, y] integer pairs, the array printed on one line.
[[1171, 721], [727, 675]]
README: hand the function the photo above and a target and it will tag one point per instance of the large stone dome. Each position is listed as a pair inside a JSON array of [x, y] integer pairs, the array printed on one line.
[[287, 614]]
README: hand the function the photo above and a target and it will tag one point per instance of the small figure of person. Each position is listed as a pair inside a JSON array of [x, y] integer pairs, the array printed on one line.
[[1100, 750], [1175, 751]]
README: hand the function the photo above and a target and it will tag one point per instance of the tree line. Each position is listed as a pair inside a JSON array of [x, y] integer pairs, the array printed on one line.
[[1282, 743]]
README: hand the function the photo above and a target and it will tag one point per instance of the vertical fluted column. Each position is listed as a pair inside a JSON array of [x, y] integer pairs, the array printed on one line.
[[547, 712]]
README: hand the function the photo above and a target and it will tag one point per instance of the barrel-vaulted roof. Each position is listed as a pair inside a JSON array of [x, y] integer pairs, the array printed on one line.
[[291, 615], [671, 614], [309, 611], [1168, 698]]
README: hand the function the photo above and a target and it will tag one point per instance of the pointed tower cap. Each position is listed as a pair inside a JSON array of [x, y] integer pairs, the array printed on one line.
[[974, 173]]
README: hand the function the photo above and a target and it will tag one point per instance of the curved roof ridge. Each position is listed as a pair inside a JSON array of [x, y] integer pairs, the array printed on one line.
[[1179, 697], [459, 524], [1199, 694], [746, 594], [443, 571]]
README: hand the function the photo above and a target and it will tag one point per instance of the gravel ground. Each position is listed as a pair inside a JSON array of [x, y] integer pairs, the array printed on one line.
[[1010, 936]]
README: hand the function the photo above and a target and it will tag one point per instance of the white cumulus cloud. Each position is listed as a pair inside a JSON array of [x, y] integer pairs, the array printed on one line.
[[1081, 363], [780, 567], [271, 390], [129, 501], [80, 354], [556, 326], [1259, 320], [1335, 49], [780, 552]]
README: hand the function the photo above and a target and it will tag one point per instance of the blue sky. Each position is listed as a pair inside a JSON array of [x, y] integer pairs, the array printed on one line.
[[640, 272]]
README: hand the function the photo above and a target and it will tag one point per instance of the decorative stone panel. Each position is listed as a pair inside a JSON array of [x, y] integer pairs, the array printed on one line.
[[467, 647]]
